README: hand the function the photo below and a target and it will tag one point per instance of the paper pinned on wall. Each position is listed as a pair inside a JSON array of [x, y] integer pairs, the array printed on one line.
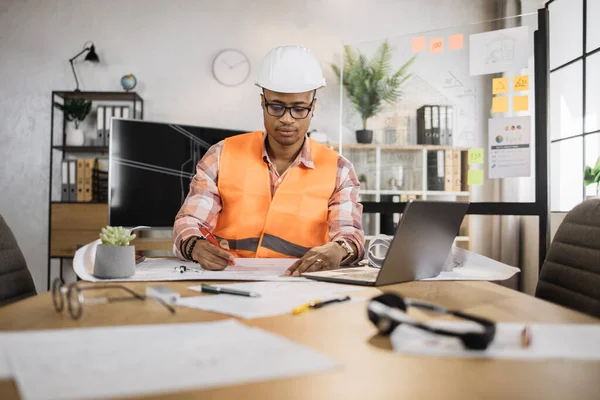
[[499, 85], [521, 83], [475, 177], [455, 42], [475, 156], [418, 44], [436, 45], [520, 103], [509, 151], [502, 50], [500, 104]]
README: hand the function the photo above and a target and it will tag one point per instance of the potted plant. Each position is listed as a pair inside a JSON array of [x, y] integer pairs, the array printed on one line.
[[75, 110], [592, 175], [371, 83], [115, 258]]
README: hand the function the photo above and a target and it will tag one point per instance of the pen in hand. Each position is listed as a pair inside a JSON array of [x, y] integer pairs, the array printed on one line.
[[212, 239]]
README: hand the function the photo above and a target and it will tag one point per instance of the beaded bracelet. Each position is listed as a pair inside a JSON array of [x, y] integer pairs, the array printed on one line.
[[190, 248]]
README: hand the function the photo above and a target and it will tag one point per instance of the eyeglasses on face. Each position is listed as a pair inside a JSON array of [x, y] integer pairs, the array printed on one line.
[[72, 295], [278, 110]]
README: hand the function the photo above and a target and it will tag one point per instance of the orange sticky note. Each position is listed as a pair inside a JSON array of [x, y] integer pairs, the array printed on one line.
[[521, 83], [499, 85], [418, 44], [499, 104], [436, 45], [455, 42], [520, 103]]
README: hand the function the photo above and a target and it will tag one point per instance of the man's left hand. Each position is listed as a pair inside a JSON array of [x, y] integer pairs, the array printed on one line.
[[319, 258]]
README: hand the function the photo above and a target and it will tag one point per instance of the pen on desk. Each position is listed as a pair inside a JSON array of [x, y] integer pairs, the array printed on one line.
[[317, 304], [216, 290], [211, 238], [526, 337]]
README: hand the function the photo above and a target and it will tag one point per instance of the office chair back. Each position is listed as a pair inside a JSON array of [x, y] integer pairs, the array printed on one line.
[[570, 274], [15, 280]]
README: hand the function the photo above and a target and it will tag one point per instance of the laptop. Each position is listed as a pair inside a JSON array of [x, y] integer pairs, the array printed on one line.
[[422, 242]]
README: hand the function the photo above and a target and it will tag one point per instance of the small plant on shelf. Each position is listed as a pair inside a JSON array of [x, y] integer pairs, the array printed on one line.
[[592, 175], [75, 110], [116, 236], [370, 83]]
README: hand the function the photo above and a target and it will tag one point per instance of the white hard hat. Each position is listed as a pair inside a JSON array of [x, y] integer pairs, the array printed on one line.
[[290, 69]]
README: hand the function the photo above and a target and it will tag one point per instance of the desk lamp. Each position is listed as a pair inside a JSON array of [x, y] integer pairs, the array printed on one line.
[[91, 56]]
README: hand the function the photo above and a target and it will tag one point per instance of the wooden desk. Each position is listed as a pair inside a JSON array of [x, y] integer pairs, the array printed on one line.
[[370, 370]]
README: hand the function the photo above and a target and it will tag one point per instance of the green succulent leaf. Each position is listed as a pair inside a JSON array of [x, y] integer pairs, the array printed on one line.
[[116, 236]]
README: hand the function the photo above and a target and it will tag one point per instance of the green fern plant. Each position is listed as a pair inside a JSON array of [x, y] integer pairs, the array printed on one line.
[[370, 83], [116, 236], [75, 110], [592, 175]]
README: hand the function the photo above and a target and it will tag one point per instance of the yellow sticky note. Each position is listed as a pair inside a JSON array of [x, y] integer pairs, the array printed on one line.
[[455, 42], [475, 156], [436, 45], [475, 177], [521, 83], [520, 103], [499, 104], [418, 44], [499, 85]]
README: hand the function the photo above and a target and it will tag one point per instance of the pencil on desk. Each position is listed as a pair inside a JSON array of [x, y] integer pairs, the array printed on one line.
[[526, 337]]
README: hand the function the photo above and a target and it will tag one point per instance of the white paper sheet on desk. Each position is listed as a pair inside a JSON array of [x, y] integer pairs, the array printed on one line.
[[277, 298], [163, 269], [549, 341], [464, 265], [137, 360]]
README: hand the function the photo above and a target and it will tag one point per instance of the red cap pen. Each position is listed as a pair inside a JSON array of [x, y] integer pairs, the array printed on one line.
[[211, 238]]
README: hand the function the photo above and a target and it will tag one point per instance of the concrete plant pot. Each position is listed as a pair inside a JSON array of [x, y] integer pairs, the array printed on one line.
[[114, 262]]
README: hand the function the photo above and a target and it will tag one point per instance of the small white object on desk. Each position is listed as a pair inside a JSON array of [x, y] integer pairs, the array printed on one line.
[[162, 292]]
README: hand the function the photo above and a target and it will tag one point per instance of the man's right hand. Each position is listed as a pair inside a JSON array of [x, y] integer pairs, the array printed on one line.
[[212, 257]]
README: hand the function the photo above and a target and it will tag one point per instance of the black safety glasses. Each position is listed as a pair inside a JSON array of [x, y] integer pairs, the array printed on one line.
[[387, 311]]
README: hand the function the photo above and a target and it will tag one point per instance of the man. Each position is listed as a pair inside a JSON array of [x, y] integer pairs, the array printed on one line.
[[275, 193]]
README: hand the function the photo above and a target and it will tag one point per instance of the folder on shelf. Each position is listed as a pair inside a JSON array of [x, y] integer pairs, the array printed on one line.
[[435, 170], [435, 125], [448, 176], [87, 178], [100, 126], [125, 112], [65, 181], [107, 121], [424, 125], [449, 125], [117, 111], [79, 177], [72, 180], [456, 171], [443, 126]]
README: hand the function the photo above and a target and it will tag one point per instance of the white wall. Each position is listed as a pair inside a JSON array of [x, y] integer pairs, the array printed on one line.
[[169, 46]]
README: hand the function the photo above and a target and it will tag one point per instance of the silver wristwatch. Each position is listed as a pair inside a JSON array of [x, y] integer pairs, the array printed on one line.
[[349, 250]]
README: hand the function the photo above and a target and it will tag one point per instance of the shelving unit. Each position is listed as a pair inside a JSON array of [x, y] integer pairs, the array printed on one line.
[[74, 224], [374, 162]]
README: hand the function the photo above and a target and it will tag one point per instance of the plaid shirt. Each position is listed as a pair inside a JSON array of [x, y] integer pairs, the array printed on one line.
[[203, 203]]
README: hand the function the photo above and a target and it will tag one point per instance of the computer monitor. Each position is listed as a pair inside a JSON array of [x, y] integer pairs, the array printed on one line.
[[151, 165]]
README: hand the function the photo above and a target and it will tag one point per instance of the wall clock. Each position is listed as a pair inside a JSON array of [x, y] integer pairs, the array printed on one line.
[[231, 67]]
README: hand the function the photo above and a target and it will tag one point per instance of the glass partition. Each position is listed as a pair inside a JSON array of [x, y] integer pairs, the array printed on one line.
[[461, 127]]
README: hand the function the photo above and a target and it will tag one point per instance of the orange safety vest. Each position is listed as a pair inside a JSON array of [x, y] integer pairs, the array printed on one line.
[[289, 224]]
